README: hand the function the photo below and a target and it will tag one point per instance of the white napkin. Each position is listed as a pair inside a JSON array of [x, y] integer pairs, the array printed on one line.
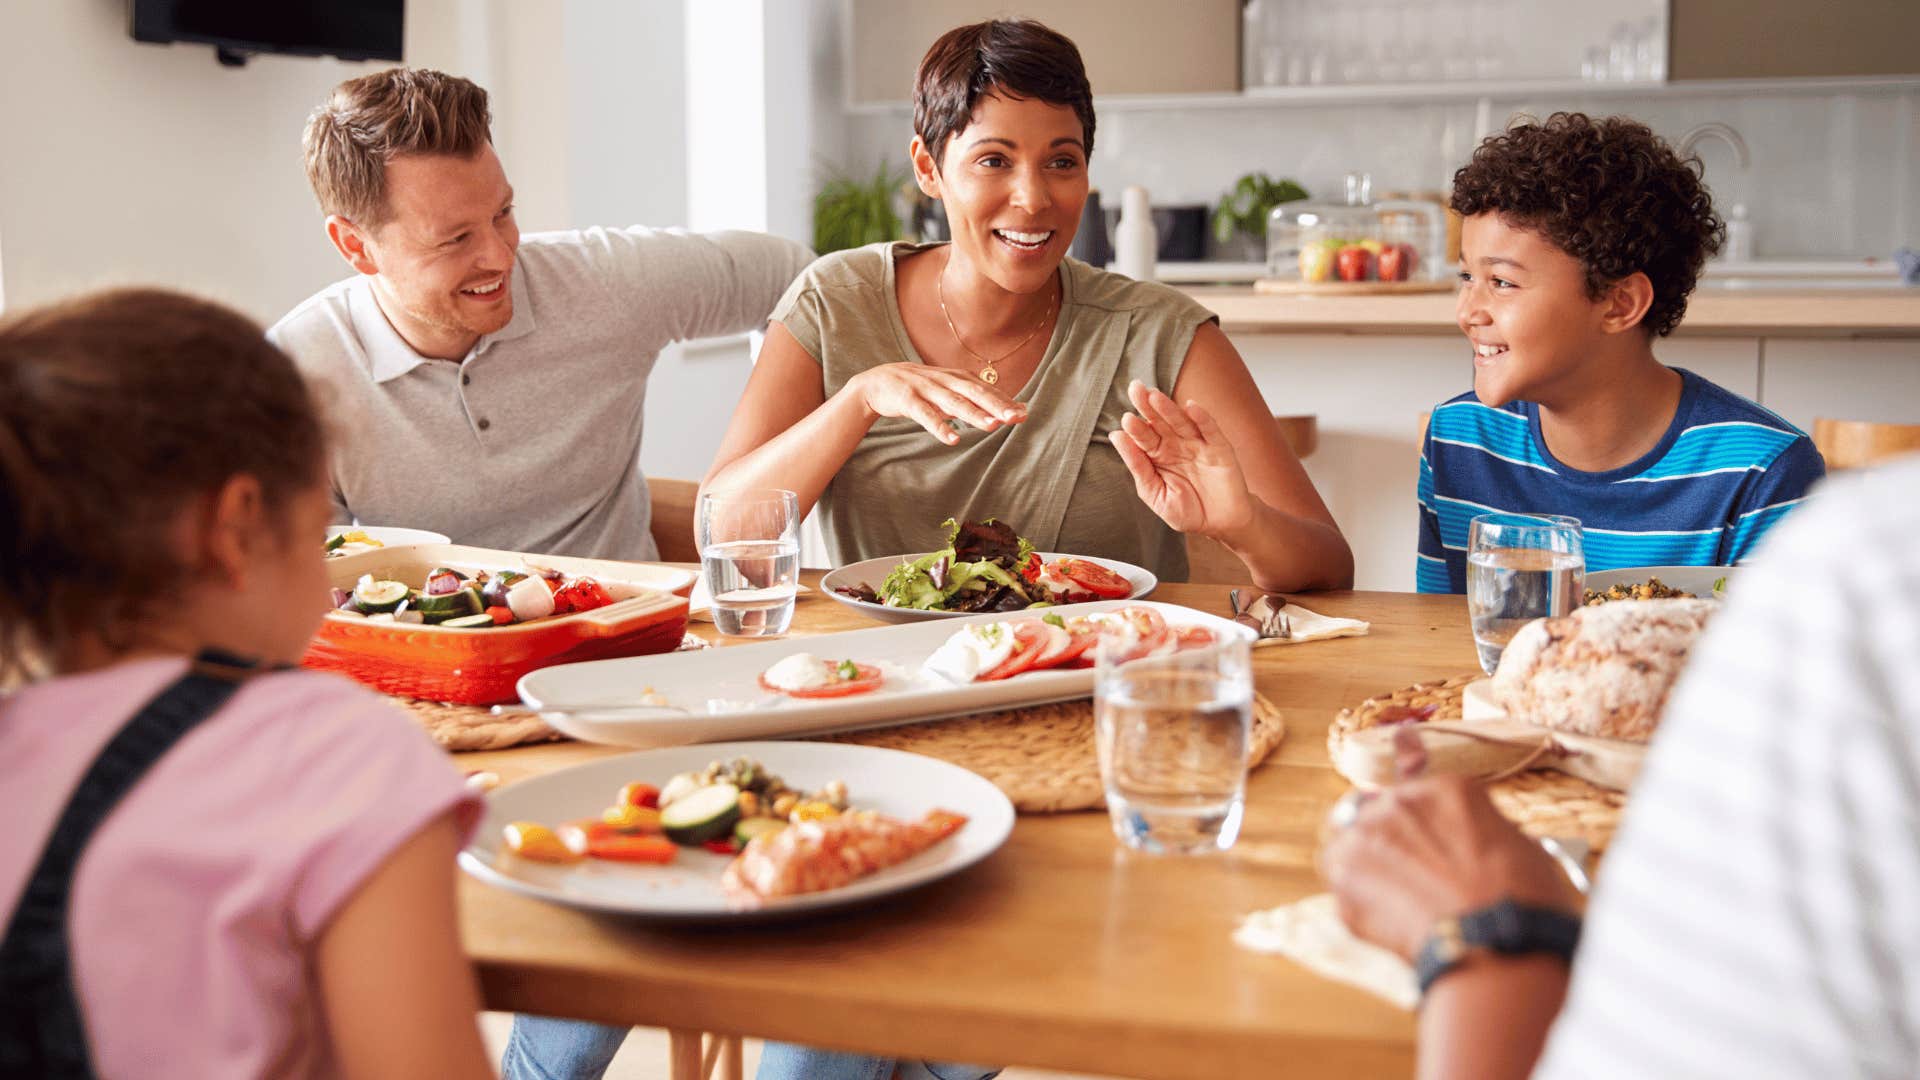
[[1310, 933], [1313, 626], [700, 604]]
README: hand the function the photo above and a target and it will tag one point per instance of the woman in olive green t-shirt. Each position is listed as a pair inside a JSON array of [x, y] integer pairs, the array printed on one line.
[[993, 377]]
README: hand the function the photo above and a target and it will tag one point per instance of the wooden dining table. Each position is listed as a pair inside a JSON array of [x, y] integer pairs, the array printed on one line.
[[1062, 950]]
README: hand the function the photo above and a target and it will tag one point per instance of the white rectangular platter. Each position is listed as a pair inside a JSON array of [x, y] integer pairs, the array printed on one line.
[[715, 695]]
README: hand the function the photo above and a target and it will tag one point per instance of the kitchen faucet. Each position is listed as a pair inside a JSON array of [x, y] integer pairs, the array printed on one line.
[[1738, 245], [1724, 132]]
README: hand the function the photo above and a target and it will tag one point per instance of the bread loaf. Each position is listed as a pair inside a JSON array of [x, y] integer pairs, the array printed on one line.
[[1602, 670]]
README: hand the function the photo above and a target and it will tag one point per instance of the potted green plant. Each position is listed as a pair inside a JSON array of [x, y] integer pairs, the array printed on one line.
[[849, 213], [1243, 210]]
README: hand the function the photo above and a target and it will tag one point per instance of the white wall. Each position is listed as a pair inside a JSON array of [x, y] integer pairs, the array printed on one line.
[[123, 162]]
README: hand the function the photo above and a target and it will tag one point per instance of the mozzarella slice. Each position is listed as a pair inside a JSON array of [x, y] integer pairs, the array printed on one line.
[[801, 671]]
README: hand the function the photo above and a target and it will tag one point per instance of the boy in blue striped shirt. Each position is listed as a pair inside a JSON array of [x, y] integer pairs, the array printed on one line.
[[1581, 240]]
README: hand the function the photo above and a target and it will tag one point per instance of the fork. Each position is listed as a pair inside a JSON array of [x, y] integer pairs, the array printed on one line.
[[1275, 624]]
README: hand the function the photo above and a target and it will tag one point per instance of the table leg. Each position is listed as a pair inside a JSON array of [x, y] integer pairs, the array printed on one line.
[[690, 1062], [683, 1048]]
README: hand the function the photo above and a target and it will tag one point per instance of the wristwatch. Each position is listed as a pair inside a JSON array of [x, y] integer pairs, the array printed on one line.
[[1506, 927]]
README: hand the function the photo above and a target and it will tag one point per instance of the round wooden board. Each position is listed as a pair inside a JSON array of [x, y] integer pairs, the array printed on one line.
[[1542, 802]]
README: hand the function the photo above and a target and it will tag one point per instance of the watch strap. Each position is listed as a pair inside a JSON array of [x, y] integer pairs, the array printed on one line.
[[1506, 927]]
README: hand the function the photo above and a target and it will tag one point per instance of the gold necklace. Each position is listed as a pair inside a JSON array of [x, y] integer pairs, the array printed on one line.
[[987, 374]]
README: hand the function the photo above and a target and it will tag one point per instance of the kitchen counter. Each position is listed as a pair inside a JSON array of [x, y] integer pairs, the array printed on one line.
[[1713, 311]]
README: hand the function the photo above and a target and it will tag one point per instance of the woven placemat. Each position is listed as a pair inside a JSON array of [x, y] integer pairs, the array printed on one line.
[[474, 727], [1542, 802], [1043, 757]]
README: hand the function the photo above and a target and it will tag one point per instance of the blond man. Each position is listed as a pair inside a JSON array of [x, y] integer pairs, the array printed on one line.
[[483, 384]]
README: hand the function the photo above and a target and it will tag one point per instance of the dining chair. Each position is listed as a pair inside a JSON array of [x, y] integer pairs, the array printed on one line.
[[1209, 561], [1851, 444], [672, 522]]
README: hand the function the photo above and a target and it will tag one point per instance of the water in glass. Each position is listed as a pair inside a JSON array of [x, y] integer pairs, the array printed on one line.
[[1508, 587], [753, 584], [1173, 735]]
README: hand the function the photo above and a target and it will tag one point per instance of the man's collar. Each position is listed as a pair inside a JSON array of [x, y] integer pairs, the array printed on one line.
[[388, 354]]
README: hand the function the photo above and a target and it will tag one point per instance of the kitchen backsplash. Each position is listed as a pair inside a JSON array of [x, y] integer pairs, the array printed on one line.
[[1828, 175]]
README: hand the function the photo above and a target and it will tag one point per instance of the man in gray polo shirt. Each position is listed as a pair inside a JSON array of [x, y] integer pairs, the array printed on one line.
[[481, 385]]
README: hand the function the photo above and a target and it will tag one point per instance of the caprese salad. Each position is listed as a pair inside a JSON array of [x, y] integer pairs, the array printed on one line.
[[988, 652]]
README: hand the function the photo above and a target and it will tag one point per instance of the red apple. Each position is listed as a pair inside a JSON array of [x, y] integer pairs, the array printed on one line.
[[1353, 263], [1397, 262]]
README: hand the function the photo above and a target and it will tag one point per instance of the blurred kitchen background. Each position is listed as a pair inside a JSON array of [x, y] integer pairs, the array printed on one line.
[[126, 161]]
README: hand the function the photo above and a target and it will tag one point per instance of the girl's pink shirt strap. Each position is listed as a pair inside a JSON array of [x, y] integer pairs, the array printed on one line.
[[197, 903]]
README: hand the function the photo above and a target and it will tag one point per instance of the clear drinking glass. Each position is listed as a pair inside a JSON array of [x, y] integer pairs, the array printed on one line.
[[1173, 736], [750, 556], [1520, 567]]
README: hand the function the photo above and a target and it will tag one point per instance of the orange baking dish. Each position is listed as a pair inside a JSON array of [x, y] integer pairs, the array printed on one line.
[[481, 666]]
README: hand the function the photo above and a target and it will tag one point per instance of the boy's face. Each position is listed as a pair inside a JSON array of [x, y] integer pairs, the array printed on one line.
[[1523, 304]]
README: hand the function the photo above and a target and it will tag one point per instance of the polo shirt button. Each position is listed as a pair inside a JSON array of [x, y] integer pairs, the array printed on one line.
[[466, 380], [485, 424]]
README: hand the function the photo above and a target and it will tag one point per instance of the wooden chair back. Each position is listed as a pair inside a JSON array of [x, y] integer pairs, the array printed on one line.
[[1851, 444], [1208, 561], [672, 522]]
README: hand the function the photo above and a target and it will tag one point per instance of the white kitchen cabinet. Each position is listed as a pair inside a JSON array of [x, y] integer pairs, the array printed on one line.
[[1857, 379]]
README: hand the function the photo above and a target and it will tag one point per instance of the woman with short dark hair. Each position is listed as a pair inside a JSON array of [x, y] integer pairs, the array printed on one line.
[[995, 377]]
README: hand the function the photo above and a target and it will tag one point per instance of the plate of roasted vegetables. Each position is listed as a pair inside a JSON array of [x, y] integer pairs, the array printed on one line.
[[986, 567], [461, 624], [733, 831], [1657, 583]]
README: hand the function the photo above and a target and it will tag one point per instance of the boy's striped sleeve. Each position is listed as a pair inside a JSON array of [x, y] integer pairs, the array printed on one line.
[[1772, 495], [1430, 571]]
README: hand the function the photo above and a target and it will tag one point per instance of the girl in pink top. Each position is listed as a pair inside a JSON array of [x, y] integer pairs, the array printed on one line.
[[268, 890]]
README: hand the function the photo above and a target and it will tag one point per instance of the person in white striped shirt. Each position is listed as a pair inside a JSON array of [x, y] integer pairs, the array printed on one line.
[[1759, 913]]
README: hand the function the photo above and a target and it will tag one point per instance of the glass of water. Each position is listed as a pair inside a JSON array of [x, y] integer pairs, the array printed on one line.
[[1520, 567], [750, 557], [1173, 734]]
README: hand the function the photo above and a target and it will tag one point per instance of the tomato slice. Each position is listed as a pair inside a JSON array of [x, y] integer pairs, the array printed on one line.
[[1094, 578], [866, 679], [1193, 637], [1064, 645], [1141, 632], [1029, 641]]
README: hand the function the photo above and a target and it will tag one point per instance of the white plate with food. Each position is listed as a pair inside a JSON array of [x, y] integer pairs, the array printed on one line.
[[345, 540], [1704, 582], [1070, 576], [857, 679], [986, 566], [910, 819]]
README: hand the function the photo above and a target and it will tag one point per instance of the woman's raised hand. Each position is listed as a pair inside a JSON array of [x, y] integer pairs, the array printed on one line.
[[933, 398], [1183, 466]]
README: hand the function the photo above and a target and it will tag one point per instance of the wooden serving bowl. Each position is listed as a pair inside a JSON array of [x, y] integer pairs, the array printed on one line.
[[481, 666]]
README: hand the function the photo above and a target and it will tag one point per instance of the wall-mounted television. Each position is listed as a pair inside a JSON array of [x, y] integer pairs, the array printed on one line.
[[348, 29]]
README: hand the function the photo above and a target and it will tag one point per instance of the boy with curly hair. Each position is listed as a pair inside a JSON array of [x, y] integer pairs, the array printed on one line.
[[1582, 239]]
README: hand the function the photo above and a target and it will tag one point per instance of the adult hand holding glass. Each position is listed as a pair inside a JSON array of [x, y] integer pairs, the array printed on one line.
[[1183, 465], [934, 397]]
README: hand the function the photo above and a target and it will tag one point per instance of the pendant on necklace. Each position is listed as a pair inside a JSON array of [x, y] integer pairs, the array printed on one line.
[[989, 376]]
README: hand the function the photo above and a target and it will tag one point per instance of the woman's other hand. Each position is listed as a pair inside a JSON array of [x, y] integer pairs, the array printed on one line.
[[934, 398], [1428, 849], [1183, 466]]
